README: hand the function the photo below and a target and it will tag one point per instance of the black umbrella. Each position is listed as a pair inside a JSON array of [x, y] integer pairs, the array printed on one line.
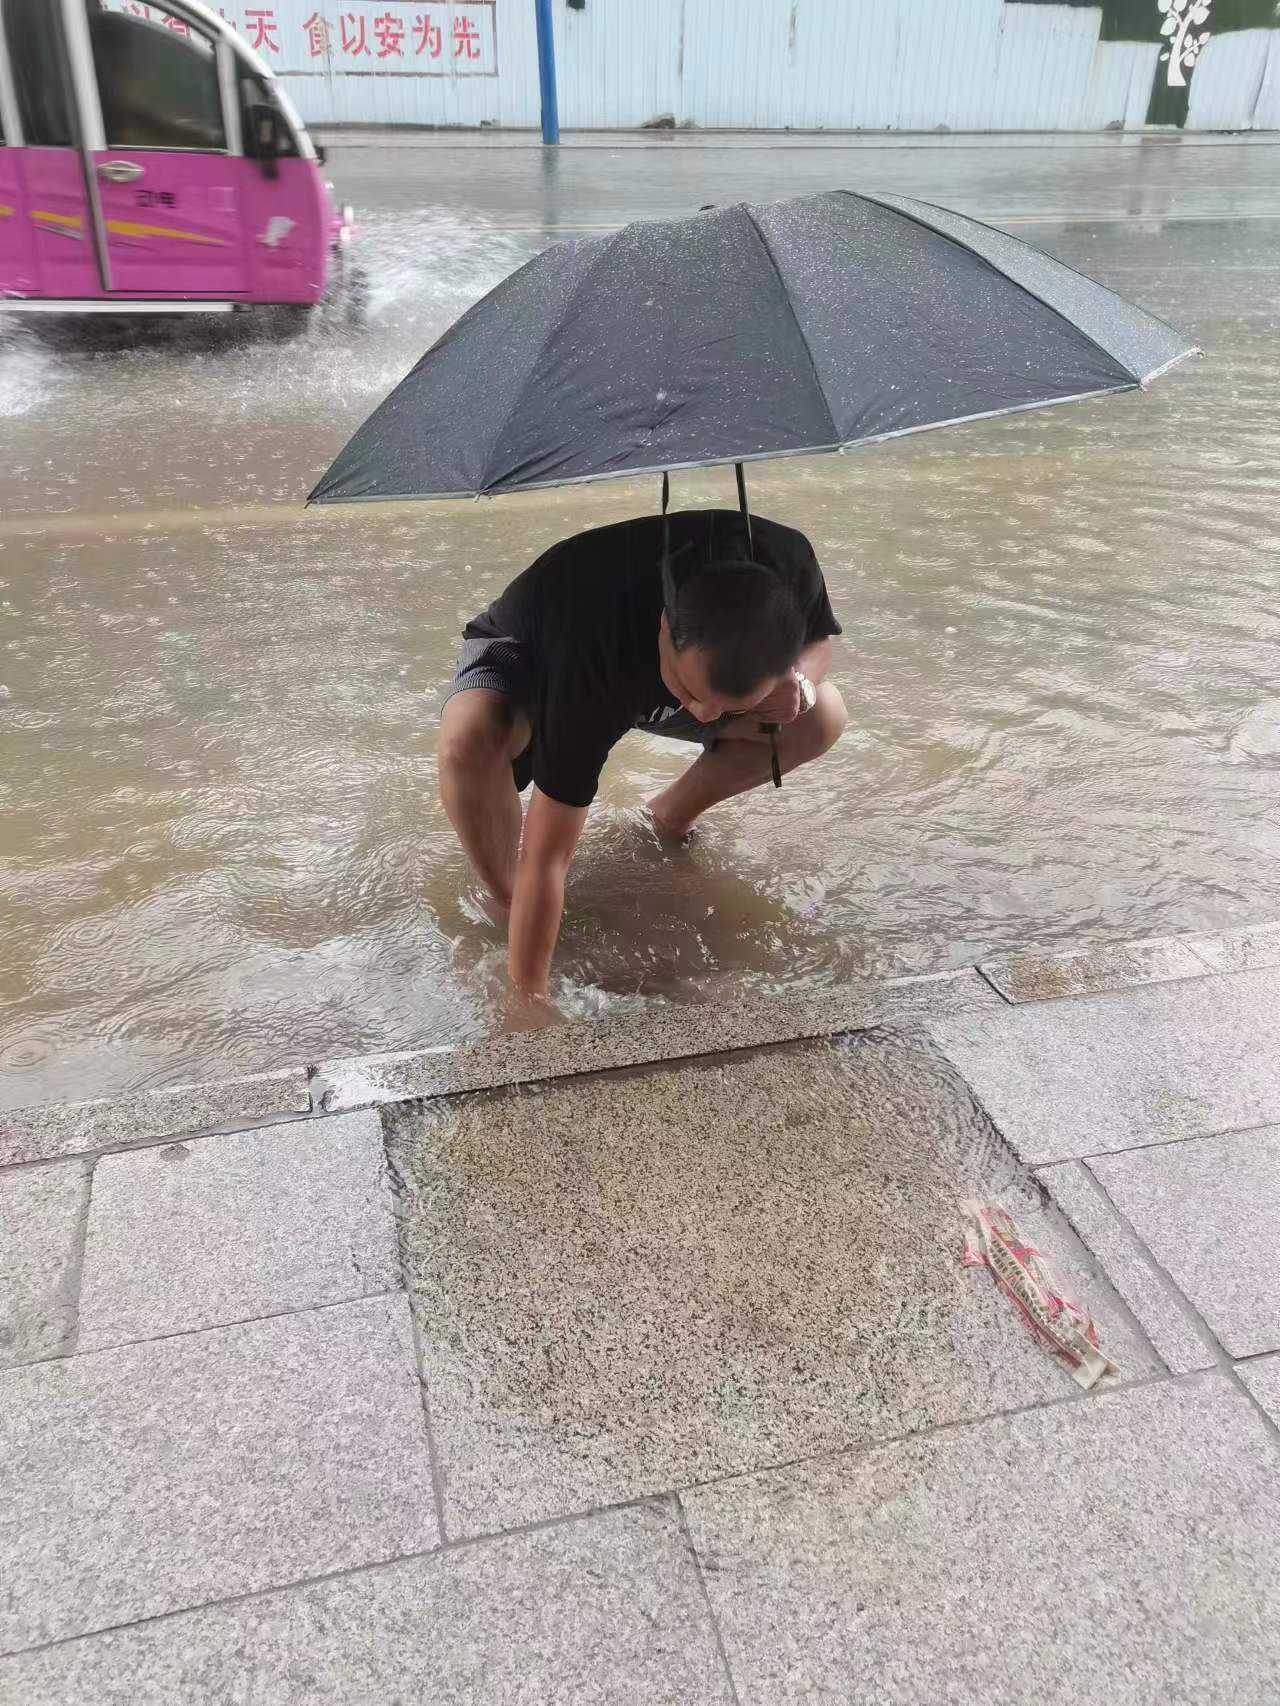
[[739, 334]]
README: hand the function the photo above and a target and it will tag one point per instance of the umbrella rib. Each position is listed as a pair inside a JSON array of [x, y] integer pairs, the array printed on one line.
[[795, 318], [986, 225], [1017, 284], [605, 248]]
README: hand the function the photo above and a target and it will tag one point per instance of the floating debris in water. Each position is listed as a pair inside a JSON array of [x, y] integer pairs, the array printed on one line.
[[1023, 1274]]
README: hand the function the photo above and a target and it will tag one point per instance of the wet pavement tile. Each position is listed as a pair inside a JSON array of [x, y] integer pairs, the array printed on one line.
[[1239, 950], [1122, 1548], [68, 1128], [644, 1279], [672, 1032], [603, 1612], [1074, 1078], [40, 1216], [1209, 1212], [1172, 1328], [1263, 1380], [223, 1229], [158, 1476], [1045, 977]]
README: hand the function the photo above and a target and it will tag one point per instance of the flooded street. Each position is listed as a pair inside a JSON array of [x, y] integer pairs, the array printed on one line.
[[221, 846]]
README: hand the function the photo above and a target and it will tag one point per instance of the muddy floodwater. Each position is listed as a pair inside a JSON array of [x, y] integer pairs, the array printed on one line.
[[220, 845]]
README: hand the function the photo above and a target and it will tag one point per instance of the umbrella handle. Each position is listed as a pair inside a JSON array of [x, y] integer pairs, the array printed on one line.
[[771, 729]]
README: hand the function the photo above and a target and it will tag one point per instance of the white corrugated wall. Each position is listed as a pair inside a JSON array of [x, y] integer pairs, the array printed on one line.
[[1119, 91], [746, 64], [1236, 66]]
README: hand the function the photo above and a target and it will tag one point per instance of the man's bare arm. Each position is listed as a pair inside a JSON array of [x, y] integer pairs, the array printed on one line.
[[815, 660], [784, 704], [551, 832]]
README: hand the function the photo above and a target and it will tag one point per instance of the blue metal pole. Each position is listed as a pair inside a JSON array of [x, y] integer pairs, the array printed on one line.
[[547, 72]]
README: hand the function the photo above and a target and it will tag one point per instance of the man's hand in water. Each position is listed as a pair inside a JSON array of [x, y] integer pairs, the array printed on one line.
[[783, 705], [526, 1012]]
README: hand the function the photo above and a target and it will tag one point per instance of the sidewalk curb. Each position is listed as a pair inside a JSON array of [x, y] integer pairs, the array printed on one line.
[[57, 1130]]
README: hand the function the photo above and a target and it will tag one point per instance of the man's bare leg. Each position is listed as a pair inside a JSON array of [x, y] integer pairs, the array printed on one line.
[[743, 761], [481, 732]]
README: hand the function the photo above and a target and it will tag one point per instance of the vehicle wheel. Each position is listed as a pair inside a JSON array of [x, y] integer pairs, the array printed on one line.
[[286, 320]]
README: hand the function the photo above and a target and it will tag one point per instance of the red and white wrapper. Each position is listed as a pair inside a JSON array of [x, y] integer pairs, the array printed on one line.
[[1024, 1275]]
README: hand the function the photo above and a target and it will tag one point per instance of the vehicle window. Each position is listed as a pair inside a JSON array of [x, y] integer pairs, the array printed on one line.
[[255, 92], [157, 79], [35, 58]]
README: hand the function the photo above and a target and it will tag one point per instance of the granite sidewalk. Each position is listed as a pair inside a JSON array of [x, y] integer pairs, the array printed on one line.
[[635, 1362]]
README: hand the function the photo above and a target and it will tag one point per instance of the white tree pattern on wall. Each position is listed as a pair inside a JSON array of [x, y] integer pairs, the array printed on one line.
[[1182, 20]]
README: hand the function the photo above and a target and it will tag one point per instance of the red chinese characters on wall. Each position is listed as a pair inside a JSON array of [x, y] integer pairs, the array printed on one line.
[[433, 37], [389, 31], [261, 29], [319, 33], [442, 36], [353, 34], [428, 36], [466, 39]]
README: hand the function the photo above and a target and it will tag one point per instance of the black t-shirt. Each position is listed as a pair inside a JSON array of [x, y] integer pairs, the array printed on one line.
[[586, 615]]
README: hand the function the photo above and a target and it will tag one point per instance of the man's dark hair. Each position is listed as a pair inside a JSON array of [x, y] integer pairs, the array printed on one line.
[[744, 618]]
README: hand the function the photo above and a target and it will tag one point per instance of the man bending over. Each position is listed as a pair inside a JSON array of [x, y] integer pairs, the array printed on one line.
[[582, 647]]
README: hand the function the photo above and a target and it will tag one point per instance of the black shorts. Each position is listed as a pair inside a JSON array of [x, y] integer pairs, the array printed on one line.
[[501, 664]]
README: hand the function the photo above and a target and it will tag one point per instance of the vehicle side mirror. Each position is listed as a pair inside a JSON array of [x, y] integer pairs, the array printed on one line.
[[263, 132], [322, 153]]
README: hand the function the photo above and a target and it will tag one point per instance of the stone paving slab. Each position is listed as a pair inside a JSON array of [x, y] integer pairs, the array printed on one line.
[[623, 1284], [1121, 1549], [1209, 1211], [40, 1216], [1105, 1072], [68, 1128], [658, 1034], [1239, 950], [223, 1229], [605, 1612], [1086, 971], [158, 1476], [1263, 1380], [1164, 1316]]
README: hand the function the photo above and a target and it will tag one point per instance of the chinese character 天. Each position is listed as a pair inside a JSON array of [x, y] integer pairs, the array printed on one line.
[[260, 26]]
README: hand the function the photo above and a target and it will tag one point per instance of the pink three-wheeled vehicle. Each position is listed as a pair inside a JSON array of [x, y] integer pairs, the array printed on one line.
[[150, 163]]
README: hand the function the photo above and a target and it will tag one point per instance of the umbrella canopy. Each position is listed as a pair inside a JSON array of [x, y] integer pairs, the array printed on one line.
[[742, 333]]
